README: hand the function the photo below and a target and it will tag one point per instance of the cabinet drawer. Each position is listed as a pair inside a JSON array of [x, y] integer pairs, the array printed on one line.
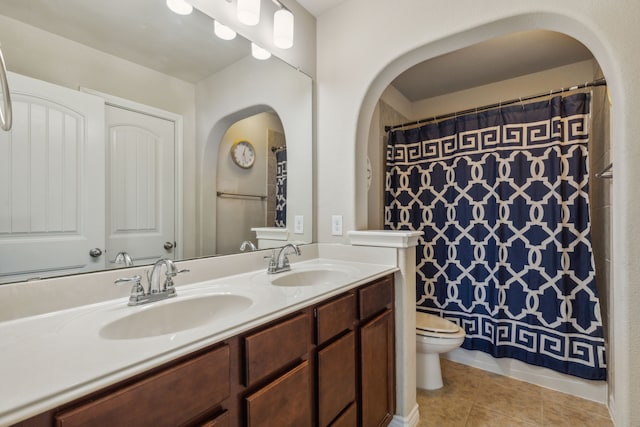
[[163, 399], [336, 378], [271, 349], [376, 297], [335, 317], [285, 402]]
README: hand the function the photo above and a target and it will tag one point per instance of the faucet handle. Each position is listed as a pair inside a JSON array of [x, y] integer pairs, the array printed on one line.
[[272, 262], [137, 291], [168, 283], [171, 274]]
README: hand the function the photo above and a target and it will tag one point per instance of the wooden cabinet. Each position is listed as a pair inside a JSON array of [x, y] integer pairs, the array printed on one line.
[[272, 348], [285, 402], [171, 397], [222, 420], [336, 358], [377, 370], [335, 317], [331, 364], [348, 418], [336, 378], [377, 354]]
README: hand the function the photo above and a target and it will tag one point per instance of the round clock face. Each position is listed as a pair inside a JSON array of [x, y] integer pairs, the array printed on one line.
[[243, 154]]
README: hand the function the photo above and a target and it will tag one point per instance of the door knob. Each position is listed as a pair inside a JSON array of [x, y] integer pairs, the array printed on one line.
[[95, 252], [168, 245]]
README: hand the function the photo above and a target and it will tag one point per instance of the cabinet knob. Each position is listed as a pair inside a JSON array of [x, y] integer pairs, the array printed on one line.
[[168, 245]]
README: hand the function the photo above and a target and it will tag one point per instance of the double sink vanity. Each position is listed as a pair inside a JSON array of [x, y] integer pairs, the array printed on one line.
[[236, 346]]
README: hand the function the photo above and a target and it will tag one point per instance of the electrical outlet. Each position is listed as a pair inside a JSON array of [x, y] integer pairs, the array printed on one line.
[[298, 224], [336, 225]]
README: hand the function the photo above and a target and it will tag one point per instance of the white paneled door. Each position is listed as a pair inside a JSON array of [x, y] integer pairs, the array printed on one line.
[[51, 182], [140, 186]]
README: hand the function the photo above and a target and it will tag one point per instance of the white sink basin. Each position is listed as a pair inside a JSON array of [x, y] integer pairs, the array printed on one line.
[[312, 277], [175, 315]]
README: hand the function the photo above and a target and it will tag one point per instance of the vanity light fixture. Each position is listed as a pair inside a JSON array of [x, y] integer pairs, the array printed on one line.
[[181, 7], [248, 11], [259, 53], [283, 27], [222, 31]]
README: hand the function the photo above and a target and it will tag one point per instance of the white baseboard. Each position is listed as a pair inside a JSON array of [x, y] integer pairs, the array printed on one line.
[[612, 409], [586, 389], [409, 421]]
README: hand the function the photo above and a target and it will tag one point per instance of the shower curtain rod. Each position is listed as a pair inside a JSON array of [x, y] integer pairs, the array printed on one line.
[[599, 82]]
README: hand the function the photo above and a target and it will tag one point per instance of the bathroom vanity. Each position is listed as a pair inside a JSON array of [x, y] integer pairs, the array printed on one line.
[[321, 354]]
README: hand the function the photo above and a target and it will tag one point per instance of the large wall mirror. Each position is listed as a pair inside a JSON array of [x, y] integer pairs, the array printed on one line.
[[125, 115]]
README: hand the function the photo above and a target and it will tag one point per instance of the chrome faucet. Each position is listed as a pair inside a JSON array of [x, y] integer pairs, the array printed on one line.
[[123, 258], [280, 263], [249, 243], [154, 291]]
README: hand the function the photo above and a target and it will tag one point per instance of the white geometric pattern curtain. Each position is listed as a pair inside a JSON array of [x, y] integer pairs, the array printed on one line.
[[501, 197]]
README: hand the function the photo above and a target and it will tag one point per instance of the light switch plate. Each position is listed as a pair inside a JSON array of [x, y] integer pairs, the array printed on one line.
[[336, 225], [298, 224]]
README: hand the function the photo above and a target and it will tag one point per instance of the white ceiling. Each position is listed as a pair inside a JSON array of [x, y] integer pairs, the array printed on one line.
[[146, 32], [318, 7], [142, 31]]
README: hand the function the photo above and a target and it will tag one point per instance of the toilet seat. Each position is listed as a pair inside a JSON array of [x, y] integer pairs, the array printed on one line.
[[431, 324]]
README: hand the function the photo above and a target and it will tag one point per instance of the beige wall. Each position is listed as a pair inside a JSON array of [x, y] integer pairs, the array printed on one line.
[[364, 44]]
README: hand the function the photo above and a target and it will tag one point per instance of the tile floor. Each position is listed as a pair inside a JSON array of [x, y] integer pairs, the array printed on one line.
[[475, 398]]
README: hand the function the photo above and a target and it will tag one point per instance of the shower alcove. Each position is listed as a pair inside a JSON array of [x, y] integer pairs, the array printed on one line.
[[508, 67]]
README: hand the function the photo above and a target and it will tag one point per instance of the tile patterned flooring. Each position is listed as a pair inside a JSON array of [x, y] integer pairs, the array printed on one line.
[[475, 398]]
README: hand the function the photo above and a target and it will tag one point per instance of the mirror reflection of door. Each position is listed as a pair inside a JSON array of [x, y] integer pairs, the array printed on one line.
[[140, 186], [246, 197], [51, 182]]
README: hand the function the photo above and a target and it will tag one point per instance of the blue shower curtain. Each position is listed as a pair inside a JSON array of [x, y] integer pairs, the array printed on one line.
[[501, 198], [281, 188]]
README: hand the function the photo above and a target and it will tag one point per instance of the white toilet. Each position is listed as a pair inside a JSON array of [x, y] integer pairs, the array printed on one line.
[[434, 335]]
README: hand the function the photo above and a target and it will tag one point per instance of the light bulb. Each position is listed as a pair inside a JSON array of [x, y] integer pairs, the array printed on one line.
[[222, 31], [283, 29], [249, 11], [258, 52], [180, 7]]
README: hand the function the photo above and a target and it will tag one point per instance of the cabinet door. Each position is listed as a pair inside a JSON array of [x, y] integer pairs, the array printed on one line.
[[285, 402], [336, 378], [348, 418], [377, 369]]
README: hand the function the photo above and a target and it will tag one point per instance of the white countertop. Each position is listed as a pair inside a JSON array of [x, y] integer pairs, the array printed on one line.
[[52, 358]]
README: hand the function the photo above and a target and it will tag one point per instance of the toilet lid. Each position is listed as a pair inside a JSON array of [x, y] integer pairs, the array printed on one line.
[[429, 322]]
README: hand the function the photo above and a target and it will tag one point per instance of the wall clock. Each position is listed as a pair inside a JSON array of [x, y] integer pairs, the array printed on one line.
[[243, 153]]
